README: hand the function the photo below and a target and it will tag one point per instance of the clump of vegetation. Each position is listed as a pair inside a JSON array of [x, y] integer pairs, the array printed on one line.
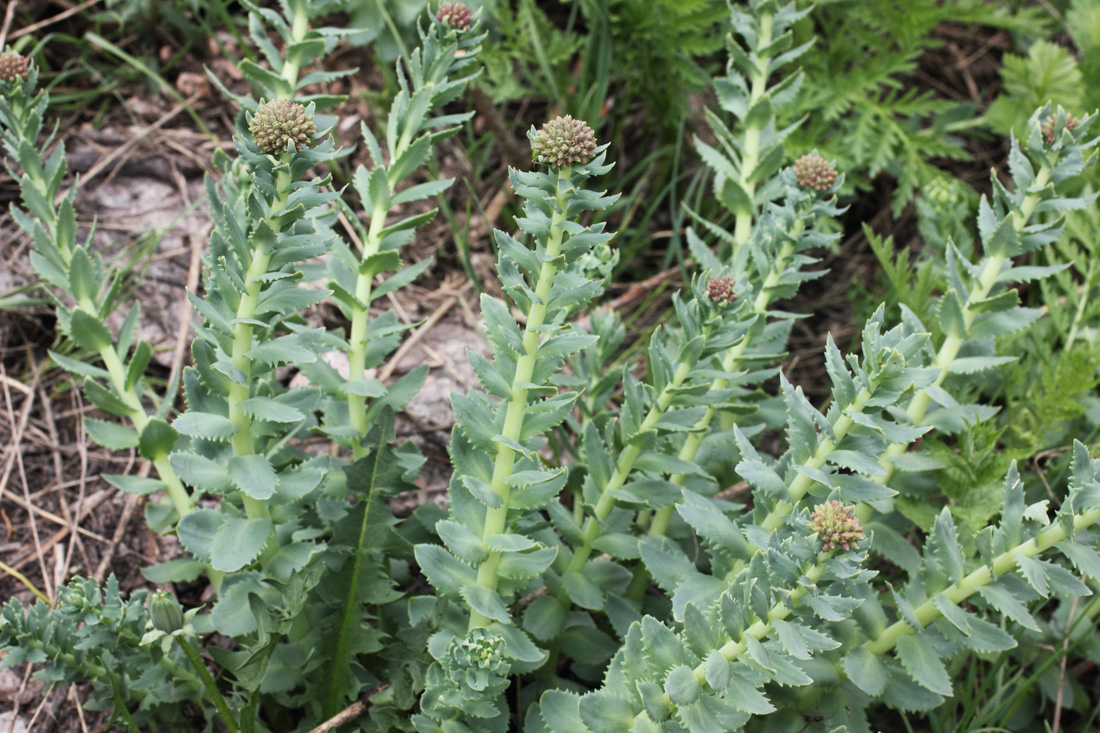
[[688, 543]]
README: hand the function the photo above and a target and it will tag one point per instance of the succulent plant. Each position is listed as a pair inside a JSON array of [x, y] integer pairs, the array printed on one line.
[[477, 661]]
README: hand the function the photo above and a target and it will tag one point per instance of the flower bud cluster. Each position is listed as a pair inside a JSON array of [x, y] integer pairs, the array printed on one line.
[[279, 123], [456, 15], [813, 171], [13, 66], [1052, 120], [835, 524], [720, 290], [563, 142]]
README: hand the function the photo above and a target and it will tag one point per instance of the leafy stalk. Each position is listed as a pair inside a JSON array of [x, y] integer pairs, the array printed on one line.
[[516, 404], [79, 272], [745, 164], [446, 51], [499, 480]]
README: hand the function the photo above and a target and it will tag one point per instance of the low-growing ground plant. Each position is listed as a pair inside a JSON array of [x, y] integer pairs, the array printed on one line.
[[688, 543]]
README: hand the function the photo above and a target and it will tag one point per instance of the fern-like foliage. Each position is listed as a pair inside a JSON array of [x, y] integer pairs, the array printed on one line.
[[863, 109]]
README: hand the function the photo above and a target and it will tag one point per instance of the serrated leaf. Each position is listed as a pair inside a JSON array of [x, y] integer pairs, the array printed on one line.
[[88, 332], [180, 570], [157, 439], [206, 425], [137, 485], [266, 408], [253, 475], [79, 368], [196, 531], [486, 602], [681, 686], [110, 435], [545, 618], [462, 541], [139, 362], [106, 399], [745, 696], [923, 664], [524, 565], [201, 472], [237, 542], [582, 591], [865, 670], [444, 571]]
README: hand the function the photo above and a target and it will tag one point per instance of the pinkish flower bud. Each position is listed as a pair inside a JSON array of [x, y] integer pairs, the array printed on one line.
[[835, 524], [1050, 122], [563, 142], [720, 290], [813, 171], [13, 67], [456, 15], [280, 122]]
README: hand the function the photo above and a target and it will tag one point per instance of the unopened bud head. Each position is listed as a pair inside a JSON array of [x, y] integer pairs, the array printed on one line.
[[456, 15], [720, 290], [279, 123], [13, 66], [835, 524], [166, 612], [1050, 122], [563, 142], [813, 171]]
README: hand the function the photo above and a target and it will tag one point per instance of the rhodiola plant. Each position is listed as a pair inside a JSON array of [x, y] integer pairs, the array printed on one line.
[[282, 526], [687, 542]]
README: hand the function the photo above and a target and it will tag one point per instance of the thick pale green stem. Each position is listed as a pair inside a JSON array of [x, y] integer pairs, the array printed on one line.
[[496, 518], [690, 448], [177, 494], [298, 29], [763, 627], [357, 335], [949, 350], [729, 363], [750, 157], [593, 527], [1004, 563], [242, 334]]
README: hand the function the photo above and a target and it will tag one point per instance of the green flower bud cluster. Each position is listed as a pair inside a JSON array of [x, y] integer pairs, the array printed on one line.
[[813, 171], [13, 66], [280, 123], [563, 142], [835, 524], [456, 15], [477, 662]]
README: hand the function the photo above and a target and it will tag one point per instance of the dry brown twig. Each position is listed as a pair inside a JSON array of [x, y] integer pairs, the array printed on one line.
[[349, 713]]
